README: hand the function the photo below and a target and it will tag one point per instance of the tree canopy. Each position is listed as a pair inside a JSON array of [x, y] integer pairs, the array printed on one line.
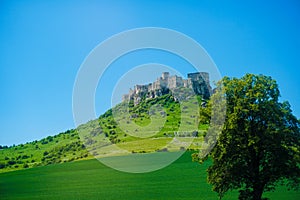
[[258, 147]]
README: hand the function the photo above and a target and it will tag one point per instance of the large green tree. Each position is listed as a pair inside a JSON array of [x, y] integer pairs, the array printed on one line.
[[258, 146]]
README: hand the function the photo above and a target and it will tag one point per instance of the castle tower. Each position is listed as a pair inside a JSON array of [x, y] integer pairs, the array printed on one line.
[[205, 77], [199, 76], [174, 82], [165, 75], [200, 83]]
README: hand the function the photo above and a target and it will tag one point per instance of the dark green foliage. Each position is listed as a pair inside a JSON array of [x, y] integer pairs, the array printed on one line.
[[24, 157], [11, 162], [2, 165], [44, 141], [259, 143], [56, 155], [49, 138]]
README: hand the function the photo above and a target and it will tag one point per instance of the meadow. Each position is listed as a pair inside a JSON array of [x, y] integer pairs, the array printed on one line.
[[89, 179], [63, 166]]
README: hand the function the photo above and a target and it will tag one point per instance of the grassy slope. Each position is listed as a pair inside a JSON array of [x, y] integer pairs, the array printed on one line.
[[90, 179], [67, 146], [63, 147], [121, 129]]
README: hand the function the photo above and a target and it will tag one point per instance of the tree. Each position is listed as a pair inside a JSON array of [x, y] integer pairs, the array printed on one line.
[[258, 146]]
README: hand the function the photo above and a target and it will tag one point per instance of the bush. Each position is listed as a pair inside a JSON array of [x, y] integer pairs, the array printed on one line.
[[44, 141], [49, 138], [11, 162], [25, 157], [20, 162], [2, 165], [195, 133]]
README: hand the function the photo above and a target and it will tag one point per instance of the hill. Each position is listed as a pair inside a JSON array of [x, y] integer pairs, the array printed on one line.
[[99, 137]]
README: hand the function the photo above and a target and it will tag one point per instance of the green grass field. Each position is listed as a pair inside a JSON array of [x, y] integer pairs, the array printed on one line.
[[43, 169], [89, 179]]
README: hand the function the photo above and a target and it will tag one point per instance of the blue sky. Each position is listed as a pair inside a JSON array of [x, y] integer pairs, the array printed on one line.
[[43, 43]]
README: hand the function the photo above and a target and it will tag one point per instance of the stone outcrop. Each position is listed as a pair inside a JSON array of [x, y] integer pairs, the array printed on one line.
[[197, 82]]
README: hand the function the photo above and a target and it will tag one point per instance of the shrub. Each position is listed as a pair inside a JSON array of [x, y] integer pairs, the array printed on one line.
[[44, 142], [11, 162], [25, 157], [195, 134], [20, 162], [2, 165], [50, 138]]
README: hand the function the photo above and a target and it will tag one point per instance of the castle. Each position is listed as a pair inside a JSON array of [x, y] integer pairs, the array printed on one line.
[[198, 81]]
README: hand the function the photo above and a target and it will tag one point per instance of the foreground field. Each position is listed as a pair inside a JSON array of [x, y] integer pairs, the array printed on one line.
[[89, 179]]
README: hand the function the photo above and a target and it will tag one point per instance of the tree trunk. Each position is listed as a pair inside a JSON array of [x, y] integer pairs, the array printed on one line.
[[257, 192], [258, 186]]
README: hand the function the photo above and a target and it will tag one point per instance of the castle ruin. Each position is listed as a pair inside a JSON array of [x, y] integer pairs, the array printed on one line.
[[198, 82]]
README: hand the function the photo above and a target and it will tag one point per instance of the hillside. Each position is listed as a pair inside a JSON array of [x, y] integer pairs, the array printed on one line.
[[98, 137]]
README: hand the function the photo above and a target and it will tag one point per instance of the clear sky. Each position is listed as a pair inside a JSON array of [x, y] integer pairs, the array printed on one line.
[[43, 43]]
